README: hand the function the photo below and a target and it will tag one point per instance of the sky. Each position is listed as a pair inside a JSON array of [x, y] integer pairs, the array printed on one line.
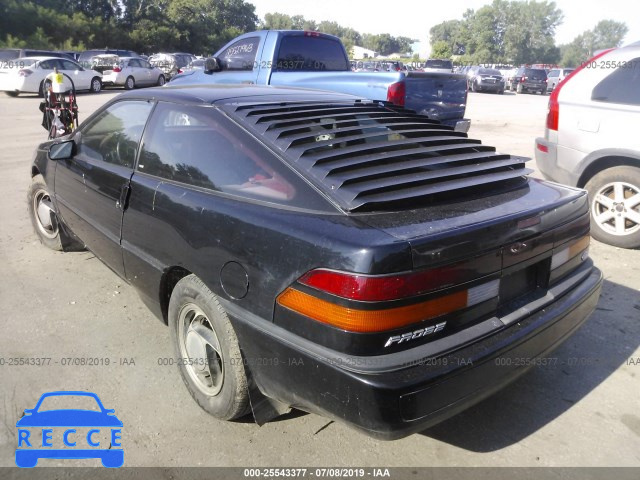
[[414, 18]]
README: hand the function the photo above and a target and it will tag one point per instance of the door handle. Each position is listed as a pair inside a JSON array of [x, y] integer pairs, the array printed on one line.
[[121, 203]]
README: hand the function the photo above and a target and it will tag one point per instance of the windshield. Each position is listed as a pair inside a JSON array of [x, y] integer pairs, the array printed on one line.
[[69, 402]]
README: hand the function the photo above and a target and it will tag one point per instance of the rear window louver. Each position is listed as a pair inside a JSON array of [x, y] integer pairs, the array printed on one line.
[[374, 156]]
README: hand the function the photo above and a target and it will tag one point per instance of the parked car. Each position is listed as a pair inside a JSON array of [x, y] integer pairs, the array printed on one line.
[[528, 80], [86, 58], [383, 273], [591, 141], [8, 54], [438, 65], [197, 64], [171, 63], [509, 78], [28, 75], [486, 80], [555, 76], [130, 72], [317, 60]]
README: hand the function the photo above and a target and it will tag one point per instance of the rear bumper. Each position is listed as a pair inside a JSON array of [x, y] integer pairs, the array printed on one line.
[[392, 401], [548, 162]]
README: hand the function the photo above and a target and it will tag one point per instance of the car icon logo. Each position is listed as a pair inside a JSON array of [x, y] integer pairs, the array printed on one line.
[[69, 433]]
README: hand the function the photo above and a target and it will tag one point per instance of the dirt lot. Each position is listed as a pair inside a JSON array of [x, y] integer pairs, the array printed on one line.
[[580, 411]]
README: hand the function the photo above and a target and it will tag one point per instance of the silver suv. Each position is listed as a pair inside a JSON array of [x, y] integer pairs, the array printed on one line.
[[592, 141], [555, 76]]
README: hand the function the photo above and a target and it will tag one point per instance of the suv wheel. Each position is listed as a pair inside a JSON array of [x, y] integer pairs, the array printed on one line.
[[615, 206], [204, 340], [519, 88]]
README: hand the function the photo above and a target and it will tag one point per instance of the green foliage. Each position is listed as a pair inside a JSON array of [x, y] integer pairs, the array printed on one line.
[[441, 49], [606, 34], [199, 26], [515, 32]]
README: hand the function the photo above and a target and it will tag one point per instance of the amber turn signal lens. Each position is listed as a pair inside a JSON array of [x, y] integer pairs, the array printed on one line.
[[356, 320]]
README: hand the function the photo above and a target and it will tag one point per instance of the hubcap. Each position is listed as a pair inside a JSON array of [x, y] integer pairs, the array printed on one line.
[[200, 350], [44, 214], [616, 208], [96, 86]]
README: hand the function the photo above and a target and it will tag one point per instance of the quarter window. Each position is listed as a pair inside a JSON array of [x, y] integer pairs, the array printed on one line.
[[198, 146], [621, 86], [114, 136]]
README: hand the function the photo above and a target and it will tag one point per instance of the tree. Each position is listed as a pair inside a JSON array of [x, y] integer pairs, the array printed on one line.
[[441, 49], [606, 34]]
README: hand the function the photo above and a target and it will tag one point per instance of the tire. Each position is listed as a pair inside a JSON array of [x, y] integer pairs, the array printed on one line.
[[220, 386], [96, 85], [129, 83], [501, 92], [161, 80], [519, 88], [613, 221], [12, 93], [473, 86], [50, 230]]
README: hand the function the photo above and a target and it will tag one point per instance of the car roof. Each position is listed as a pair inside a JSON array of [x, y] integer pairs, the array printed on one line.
[[208, 94], [41, 58]]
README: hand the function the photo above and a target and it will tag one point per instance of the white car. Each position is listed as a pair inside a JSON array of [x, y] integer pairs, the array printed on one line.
[[28, 75], [592, 142], [131, 72]]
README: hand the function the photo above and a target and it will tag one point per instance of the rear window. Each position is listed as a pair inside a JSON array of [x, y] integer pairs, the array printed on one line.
[[488, 71], [308, 53], [535, 74], [622, 86], [439, 64], [9, 54], [197, 146]]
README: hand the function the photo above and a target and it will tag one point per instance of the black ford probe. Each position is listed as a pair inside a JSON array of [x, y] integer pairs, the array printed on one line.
[[319, 251]]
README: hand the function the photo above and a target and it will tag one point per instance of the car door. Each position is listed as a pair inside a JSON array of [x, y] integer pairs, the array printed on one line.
[[149, 70], [91, 187], [238, 62], [80, 77]]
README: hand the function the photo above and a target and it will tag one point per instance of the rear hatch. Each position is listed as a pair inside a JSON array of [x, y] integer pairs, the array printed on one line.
[[442, 96], [535, 77], [104, 63], [478, 228]]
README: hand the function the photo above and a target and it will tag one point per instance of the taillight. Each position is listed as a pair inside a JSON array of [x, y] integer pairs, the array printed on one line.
[[368, 303], [311, 34], [396, 93], [25, 72], [117, 69], [523, 79], [553, 113], [180, 70]]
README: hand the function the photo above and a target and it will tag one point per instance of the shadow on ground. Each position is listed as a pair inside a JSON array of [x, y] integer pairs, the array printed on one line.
[[584, 361]]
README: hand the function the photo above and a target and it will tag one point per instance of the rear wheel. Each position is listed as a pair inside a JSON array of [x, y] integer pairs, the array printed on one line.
[[204, 340], [45, 85], [615, 206], [519, 88], [96, 85], [129, 83], [161, 80]]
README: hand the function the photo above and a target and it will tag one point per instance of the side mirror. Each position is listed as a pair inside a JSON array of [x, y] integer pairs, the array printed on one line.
[[62, 150], [211, 65]]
